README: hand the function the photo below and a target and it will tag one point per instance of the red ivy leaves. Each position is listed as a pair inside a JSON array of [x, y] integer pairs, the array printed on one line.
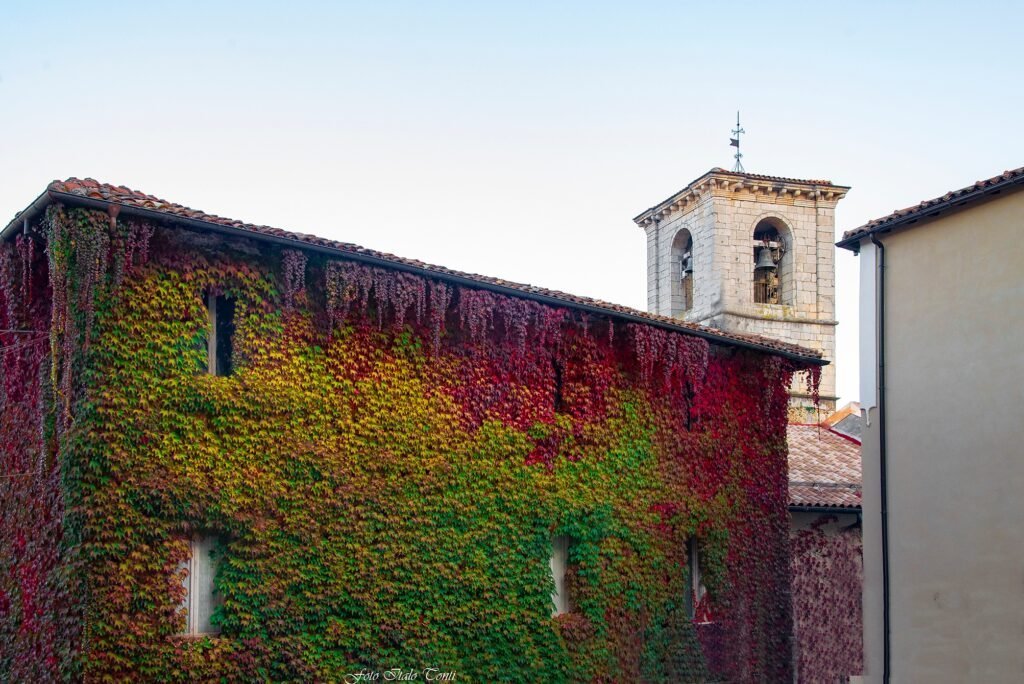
[[694, 435]]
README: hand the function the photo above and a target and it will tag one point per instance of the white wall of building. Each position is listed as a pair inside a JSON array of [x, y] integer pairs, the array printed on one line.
[[954, 401]]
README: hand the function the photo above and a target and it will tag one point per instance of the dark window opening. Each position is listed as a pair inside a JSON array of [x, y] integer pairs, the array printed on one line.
[[559, 404], [768, 251], [221, 334], [766, 287], [682, 270]]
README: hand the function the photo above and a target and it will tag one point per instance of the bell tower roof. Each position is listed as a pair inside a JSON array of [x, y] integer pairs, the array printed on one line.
[[736, 181]]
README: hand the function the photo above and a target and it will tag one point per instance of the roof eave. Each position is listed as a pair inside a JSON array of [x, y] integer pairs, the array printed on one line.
[[24, 217], [815, 508], [647, 212], [852, 240], [197, 224], [754, 179]]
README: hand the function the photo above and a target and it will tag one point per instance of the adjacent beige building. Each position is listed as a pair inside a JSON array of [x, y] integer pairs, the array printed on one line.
[[749, 253], [942, 388]]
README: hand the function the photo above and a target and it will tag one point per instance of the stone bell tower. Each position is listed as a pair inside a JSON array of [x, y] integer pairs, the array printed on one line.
[[753, 254]]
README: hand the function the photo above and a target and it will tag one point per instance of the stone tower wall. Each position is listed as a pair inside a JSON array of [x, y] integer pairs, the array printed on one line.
[[720, 212]]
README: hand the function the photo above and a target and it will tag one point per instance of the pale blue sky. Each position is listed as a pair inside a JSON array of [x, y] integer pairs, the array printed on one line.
[[513, 139]]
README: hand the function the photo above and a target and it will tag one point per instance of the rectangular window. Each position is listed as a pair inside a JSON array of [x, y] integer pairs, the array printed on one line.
[[695, 589], [220, 334], [559, 564], [559, 380], [201, 596]]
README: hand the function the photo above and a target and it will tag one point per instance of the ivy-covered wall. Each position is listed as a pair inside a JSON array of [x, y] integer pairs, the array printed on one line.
[[828, 580], [38, 622], [385, 470]]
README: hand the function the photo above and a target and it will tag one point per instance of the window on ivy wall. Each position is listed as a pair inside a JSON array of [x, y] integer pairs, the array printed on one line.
[[695, 591], [220, 334], [559, 567], [559, 380], [201, 597]]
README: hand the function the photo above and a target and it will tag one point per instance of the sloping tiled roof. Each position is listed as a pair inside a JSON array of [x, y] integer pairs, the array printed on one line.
[[981, 190], [100, 195], [824, 468]]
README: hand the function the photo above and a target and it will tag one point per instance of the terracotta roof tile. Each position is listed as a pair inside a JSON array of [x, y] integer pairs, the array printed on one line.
[[824, 468], [954, 198], [120, 195], [783, 179]]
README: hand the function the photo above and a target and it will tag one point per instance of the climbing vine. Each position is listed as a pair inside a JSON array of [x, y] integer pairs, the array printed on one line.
[[38, 623], [384, 472], [827, 581]]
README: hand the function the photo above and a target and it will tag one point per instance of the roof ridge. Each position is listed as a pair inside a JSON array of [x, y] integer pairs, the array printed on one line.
[[808, 181], [824, 427]]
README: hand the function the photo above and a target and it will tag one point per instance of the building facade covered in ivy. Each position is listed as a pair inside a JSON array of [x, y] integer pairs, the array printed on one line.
[[825, 536], [237, 453]]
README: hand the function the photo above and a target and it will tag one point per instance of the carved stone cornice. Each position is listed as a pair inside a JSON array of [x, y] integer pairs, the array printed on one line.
[[719, 182]]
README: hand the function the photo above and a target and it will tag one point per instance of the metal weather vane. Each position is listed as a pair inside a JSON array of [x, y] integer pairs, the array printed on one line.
[[735, 142]]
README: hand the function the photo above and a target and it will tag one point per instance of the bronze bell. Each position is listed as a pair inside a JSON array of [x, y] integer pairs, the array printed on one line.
[[764, 259], [687, 265]]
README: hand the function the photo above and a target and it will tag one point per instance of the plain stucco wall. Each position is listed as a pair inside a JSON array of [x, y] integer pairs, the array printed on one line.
[[954, 298]]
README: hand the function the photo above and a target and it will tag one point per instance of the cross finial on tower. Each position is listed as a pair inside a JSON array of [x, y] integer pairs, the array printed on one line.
[[735, 142]]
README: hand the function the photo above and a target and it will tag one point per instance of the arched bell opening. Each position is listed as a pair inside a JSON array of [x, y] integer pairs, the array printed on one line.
[[682, 273], [771, 263]]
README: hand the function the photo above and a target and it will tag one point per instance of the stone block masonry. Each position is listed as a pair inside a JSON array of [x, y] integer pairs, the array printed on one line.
[[719, 213]]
